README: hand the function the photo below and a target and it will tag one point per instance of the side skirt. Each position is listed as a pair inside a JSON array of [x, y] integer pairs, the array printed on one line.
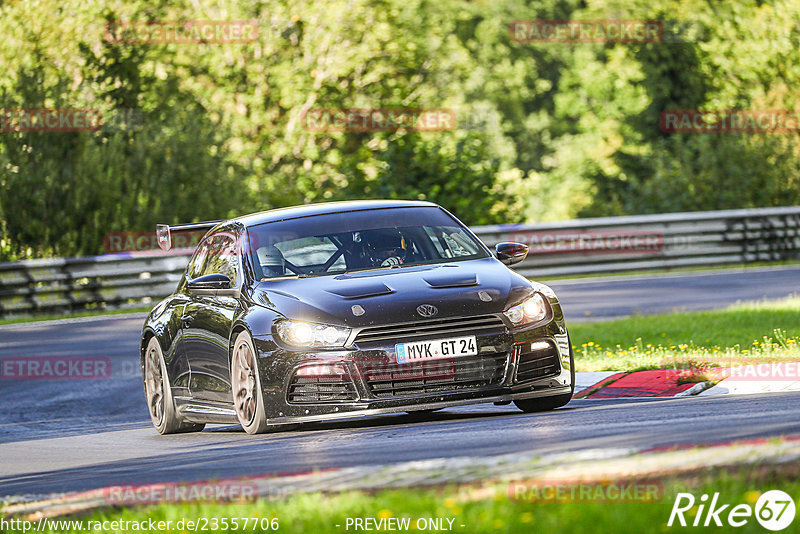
[[195, 411]]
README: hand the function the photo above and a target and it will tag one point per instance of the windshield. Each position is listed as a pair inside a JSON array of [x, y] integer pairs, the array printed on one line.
[[337, 243]]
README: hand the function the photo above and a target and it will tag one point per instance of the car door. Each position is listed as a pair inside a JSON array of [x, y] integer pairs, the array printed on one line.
[[177, 360], [207, 321]]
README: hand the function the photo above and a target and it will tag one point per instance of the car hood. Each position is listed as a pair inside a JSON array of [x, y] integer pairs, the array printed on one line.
[[393, 295]]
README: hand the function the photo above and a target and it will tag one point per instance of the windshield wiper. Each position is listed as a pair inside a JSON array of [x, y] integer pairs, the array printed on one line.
[[294, 276]]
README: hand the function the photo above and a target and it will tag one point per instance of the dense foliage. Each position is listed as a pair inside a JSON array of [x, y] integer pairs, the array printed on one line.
[[545, 131]]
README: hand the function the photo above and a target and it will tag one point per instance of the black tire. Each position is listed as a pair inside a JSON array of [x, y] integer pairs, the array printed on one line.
[[158, 394], [246, 386], [545, 404]]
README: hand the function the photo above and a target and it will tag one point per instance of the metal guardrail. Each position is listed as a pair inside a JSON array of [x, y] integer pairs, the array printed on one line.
[[61, 285], [580, 246], [644, 242]]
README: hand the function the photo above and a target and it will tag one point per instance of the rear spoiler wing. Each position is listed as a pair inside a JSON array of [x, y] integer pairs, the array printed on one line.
[[164, 231]]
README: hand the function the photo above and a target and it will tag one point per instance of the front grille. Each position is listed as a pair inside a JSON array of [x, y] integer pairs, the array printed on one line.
[[539, 360], [434, 376], [321, 389], [431, 327]]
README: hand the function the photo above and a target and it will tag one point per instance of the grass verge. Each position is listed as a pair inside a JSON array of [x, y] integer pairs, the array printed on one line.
[[486, 508], [90, 313], [756, 332]]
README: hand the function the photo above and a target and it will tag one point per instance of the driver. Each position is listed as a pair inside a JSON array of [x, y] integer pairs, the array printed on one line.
[[385, 247]]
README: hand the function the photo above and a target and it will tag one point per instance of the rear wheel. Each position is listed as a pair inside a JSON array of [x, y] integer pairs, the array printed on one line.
[[544, 404], [158, 393], [246, 385]]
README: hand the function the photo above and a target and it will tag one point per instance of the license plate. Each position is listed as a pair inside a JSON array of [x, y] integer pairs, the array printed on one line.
[[436, 349]]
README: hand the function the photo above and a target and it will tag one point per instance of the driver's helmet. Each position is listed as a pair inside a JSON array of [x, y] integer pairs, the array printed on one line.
[[272, 261], [385, 247]]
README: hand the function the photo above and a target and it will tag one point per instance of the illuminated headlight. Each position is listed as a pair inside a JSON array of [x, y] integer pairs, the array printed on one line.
[[311, 335], [532, 310]]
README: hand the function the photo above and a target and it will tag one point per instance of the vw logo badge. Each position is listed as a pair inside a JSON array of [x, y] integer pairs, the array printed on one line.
[[426, 310]]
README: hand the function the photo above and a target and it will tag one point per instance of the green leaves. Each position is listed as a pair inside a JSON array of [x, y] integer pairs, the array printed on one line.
[[543, 131]]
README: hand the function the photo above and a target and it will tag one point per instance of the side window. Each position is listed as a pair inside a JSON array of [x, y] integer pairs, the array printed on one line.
[[195, 268], [222, 256]]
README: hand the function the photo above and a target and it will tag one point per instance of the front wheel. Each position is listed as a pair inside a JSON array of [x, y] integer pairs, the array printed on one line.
[[545, 404], [158, 393], [246, 386]]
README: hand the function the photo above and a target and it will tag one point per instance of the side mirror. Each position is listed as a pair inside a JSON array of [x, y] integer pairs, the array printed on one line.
[[211, 281], [510, 253]]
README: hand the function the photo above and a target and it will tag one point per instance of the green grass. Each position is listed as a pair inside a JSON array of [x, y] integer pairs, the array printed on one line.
[[478, 509], [89, 313], [755, 332]]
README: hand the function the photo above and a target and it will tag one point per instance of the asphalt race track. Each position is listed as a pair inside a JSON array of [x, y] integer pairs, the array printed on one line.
[[63, 436], [611, 297], [139, 455]]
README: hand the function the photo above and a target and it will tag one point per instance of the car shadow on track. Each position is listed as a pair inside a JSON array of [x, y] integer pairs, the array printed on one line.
[[219, 452], [377, 421]]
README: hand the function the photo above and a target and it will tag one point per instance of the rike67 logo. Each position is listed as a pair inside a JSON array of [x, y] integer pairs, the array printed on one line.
[[774, 510]]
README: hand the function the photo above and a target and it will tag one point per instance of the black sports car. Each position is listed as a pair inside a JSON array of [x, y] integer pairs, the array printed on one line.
[[348, 309]]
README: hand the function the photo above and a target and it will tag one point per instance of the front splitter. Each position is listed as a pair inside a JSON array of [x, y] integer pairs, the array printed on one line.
[[435, 405]]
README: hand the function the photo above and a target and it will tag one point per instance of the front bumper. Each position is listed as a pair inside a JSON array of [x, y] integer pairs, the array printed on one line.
[[429, 404], [503, 371]]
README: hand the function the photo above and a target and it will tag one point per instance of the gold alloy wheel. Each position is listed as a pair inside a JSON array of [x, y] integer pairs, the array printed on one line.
[[154, 385], [244, 383]]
